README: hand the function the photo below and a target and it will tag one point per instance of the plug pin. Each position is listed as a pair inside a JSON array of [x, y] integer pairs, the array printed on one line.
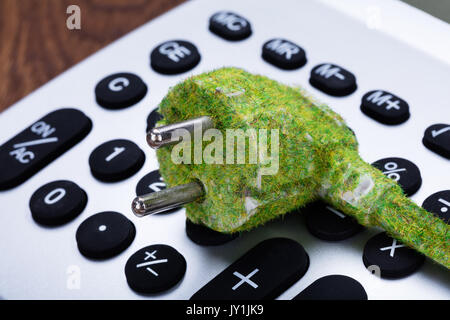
[[164, 135], [167, 199]]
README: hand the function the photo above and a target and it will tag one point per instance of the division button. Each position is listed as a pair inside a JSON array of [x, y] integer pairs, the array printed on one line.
[[116, 160], [437, 139], [205, 236], [333, 287], [439, 204], [57, 202], [154, 269], [230, 26], [394, 259], [385, 107], [152, 182], [264, 272], [403, 171], [41, 143], [152, 119], [120, 90], [329, 224], [283, 54], [174, 57], [104, 235], [333, 80]]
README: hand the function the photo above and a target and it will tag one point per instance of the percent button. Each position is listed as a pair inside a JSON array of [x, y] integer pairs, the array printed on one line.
[[406, 173]]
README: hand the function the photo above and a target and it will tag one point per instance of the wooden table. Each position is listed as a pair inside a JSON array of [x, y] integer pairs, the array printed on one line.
[[36, 45]]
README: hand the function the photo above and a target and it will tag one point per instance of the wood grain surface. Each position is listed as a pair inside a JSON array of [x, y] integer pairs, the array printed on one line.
[[36, 45]]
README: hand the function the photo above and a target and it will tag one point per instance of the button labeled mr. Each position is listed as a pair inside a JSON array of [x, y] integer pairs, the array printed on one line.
[[284, 54], [116, 160]]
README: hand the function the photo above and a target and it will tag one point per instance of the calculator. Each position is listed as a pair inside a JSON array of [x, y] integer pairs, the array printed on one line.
[[74, 154]]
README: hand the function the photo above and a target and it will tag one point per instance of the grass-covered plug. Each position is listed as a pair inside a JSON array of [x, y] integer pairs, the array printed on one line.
[[318, 159]]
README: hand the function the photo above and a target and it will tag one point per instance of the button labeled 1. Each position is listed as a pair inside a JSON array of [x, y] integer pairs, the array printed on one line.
[[116, 160]]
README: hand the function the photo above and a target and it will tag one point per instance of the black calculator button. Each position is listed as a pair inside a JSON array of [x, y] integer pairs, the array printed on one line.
[[333, 80], [403, 171], [57, 202], [116, 160], [39, 144], [329, 224], [385, 107], [120, 90], [152, 182], [152, 119], [205, 236], [104, 235], [437, 139], [393, 259], [333, 287], [439, 204], [264, 272], [283, 54], [174, 57], [230, 26], [154, 269]]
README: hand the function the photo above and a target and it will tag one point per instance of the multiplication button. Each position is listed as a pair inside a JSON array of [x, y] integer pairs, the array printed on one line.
[[57, 202], [116, 160], [154, 269], [120, 90], [394, 259]]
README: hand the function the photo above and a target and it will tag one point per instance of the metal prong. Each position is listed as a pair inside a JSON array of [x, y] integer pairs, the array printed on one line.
[[156, 202], [162, 136]]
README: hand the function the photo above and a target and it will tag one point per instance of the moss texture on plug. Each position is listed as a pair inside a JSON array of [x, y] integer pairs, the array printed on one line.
[[318, 159]]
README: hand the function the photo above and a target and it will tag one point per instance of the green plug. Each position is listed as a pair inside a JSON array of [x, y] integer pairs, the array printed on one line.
[[305, 152]]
